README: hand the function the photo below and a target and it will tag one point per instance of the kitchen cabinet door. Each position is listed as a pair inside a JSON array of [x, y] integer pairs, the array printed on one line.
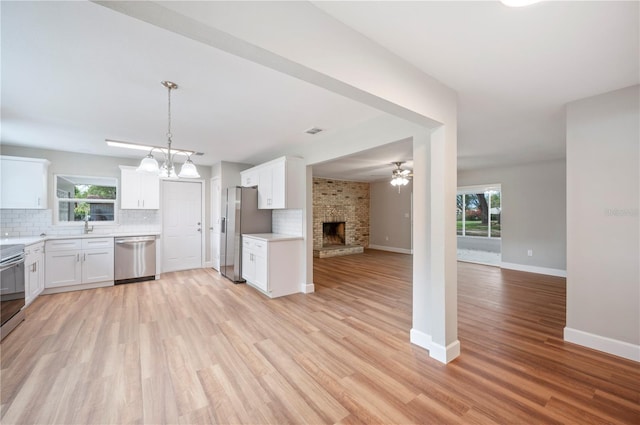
[[34, 272], [261, 275], [265, 188], [63, 268], [150, 191], [278, 185], [97, 265], [23, 182], [138, 191], [248, 266]]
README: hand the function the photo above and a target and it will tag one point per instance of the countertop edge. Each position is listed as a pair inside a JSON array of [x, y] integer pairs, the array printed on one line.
[[31, 240], [273, 237]]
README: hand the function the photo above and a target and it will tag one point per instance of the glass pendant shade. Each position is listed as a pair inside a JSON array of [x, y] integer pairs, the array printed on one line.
[[167, 172], [189, 170], [148, 165]]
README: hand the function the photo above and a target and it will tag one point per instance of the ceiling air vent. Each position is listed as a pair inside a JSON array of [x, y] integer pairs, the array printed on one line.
[[313, 130]]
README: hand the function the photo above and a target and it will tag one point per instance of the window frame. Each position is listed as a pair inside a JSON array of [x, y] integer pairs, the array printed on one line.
[[69, 177], [473, 190]]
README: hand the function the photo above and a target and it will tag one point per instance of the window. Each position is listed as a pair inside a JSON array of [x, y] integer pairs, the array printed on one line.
[[79, 197], [478, 211]]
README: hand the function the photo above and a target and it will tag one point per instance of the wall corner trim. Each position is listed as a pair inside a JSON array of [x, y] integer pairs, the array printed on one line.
[[602, 343], [307, 288], [534, 269]]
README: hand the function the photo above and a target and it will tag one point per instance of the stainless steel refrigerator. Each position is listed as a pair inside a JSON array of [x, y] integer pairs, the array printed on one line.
[[241, 215]]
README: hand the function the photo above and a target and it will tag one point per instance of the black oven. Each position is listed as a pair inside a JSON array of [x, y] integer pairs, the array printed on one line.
[[11, 287]]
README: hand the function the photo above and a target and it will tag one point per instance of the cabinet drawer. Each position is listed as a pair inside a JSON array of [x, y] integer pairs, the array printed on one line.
[[260, 247], [33, 251], [64, 244], [256, 245], [90, 243]]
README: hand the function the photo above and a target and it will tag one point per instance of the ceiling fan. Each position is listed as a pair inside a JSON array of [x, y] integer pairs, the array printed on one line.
[[399, 176]]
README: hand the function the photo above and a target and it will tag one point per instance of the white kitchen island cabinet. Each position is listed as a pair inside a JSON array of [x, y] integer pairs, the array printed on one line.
[[138, 191], [33, 271], [23, 182], [271, 263], [73, 264]]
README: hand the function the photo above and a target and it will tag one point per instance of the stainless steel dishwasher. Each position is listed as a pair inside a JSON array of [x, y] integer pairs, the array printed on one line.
[[135, 259]]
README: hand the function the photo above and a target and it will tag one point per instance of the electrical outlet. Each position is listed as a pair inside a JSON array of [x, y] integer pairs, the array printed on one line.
[[386, 238], [530, 252]]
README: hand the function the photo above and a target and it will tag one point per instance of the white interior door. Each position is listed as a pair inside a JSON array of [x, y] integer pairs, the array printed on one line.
[[181, 225], [215, 222]]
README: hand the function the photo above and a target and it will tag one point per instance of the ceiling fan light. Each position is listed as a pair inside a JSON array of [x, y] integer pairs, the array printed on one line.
[[148, 165], [189, 170]]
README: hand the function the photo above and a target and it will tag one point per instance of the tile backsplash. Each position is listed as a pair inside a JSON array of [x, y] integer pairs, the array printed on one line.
[[27, 222], [287, 222]]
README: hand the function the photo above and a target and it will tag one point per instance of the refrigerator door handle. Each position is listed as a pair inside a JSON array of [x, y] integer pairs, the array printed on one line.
[[223, 225]]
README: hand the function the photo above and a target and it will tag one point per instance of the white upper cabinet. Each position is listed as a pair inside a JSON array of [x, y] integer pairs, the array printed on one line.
[[281, 183], [23, 182], [249, 178], [138, 191]]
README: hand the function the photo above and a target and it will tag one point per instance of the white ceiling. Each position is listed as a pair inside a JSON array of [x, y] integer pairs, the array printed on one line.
[[75, 73]]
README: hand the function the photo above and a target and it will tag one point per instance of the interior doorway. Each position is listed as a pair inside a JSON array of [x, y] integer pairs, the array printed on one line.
[[182, 236]]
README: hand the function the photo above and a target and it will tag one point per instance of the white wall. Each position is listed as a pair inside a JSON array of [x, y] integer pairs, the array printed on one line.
[[533, 213], [390, 217], [603, 184]]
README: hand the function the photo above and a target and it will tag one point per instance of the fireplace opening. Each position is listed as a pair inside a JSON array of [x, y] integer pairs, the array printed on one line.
[[333, 233]]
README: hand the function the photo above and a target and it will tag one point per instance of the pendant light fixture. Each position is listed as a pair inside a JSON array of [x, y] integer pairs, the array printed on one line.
[[167, 170]]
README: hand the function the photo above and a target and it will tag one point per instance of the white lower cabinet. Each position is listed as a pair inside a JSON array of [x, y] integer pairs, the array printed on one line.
[[74, 262], [272, 265], [33, 271]]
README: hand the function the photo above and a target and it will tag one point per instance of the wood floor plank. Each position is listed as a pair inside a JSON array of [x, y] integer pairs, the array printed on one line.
[[195, 348]]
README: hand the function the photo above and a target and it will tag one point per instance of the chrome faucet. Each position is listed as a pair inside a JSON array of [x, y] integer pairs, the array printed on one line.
[[87, 229]]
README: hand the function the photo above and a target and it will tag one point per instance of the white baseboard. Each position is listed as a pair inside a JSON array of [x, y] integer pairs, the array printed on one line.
[[534, 269], [436, 351], [602, 343], [420, 339], [391, 249], [59, 289], [307, 288], [207, 265], [445, 354]]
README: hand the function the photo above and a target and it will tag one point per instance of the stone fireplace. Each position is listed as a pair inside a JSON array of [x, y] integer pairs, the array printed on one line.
[[340, 207]]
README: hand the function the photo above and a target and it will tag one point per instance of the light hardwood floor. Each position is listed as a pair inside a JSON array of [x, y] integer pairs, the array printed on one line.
[[194, 348]]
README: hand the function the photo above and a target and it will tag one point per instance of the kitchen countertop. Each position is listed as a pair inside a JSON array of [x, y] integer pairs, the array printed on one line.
[[30, 240], [273, 237]]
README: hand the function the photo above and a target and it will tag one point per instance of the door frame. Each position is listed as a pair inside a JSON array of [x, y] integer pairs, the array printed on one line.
[[215, 263], [159, 256]]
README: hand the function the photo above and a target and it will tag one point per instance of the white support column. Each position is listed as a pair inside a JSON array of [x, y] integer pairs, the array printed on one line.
[[307, 232], [421, 328], [435, 325], [444, 277]]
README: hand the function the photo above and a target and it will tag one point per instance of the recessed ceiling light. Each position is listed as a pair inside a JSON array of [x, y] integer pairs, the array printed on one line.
[[313, 130]]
